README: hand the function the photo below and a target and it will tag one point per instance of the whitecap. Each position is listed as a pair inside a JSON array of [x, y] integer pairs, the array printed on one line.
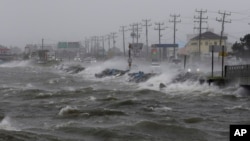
[[238, 107], [13, 64], [6, 124], [92, 98], [163, 109], [68, 110]]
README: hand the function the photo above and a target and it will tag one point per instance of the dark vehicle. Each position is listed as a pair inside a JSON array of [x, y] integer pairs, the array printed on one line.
[[111, 72], [140, 76]]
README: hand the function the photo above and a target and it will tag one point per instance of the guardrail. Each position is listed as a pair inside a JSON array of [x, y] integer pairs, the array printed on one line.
[[239, 73]]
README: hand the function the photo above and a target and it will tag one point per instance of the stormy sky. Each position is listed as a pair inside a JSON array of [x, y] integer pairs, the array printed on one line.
[[28, 21]]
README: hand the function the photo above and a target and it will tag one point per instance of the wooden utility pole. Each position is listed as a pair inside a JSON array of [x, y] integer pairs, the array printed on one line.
[[200, 19], [212, 61], [95, 44], [137, 32], [175, 22], [147, 25], [103, 47], [123, 37], [43, 52], [42, 43], [223, 21], [86, 42], [133, 33], [159, 28], [113, 35], [108, 38]]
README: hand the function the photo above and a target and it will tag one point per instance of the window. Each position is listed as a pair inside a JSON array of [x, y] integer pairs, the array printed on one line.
[[194, 44], [215, 43]]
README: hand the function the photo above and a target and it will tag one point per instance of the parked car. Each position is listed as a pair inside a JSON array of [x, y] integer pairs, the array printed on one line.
[[90, 60], [193, 68]]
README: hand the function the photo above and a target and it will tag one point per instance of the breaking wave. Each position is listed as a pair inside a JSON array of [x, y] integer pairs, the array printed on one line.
[[13, 64], [6, 124]]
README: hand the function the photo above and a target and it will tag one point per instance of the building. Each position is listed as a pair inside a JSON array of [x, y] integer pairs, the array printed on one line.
[[207, 39], [69, 50], [5, 54], [4, 51], [16, 50], [39, 51]]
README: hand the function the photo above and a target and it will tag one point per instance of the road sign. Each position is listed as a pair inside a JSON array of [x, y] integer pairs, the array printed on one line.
[[223, 54]]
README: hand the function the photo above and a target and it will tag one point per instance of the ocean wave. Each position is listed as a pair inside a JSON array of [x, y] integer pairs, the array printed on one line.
[[238, 107], [125, 103], [75, 111], [6, 124], [105, 112], [13, 64], [167, 132], [193, 120], [28, 136], [90, 133], [69, 110]]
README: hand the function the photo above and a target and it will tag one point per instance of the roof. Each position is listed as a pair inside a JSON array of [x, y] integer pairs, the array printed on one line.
[[4, 49], [209, 35], [165, 45]]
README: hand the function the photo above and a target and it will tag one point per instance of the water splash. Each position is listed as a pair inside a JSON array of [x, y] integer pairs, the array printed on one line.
[[13, 64], [6, 124], [68, 110]]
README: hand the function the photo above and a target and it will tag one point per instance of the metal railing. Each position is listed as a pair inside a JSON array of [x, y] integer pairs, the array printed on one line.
[[240, 72]]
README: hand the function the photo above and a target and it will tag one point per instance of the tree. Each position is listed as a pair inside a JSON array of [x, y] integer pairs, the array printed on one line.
[[246, 41], [242, 49]]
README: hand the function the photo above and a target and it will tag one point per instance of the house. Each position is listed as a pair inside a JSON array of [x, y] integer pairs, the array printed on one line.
[[4, 51], [207, 39], [5, 54]]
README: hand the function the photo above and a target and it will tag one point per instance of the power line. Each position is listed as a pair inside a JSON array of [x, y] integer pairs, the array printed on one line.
[[159, 28], [103, 47], [200, 20], [113, 35], [108, 38], [123, 37], [147, 25], [223, 21], [137, 31], [133, 32], [175, 21]]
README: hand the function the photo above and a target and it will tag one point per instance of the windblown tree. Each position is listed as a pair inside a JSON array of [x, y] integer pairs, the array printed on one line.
[[242, 49]]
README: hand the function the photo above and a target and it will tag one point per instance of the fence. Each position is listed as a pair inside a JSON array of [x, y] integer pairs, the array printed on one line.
[[240, 73]]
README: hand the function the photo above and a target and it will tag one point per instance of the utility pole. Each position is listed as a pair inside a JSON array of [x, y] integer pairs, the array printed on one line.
[[159, 28], [133, 32], [175, 22], [137, 32], [42, 43], [223, 21], [113, 35], [123, 37], [96, 44], [103, 48], [86, 42], [43, 52], [200, 19], [147, 25], [108, 38]]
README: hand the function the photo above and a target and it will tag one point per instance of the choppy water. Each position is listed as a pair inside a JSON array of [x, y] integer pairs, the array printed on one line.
[[48, 104]]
